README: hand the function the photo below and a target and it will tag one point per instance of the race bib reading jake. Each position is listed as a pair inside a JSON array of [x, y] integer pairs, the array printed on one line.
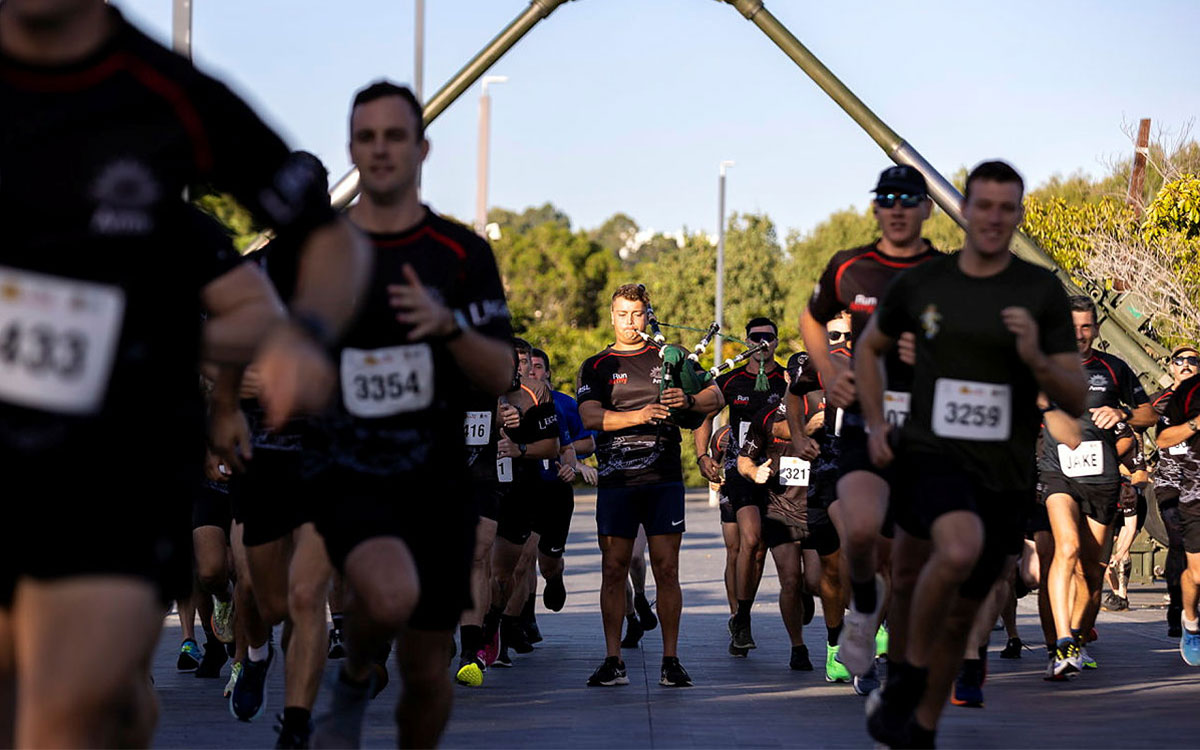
[[385, 382], [58, 338], [966, 410], [1085, 461], [793, 472]]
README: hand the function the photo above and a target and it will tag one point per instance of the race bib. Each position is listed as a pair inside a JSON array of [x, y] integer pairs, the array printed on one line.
[[743, 428], [1178, 450], [58, 338], [896, 407], [1085, 461], [837, 422], [478, 427], [966, 410], [793, 471], [384, 382], [504, 469]]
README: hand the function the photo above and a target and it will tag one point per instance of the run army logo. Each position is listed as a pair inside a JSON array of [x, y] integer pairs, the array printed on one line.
[[619, 378], [931, 321], [124, 193], [1097, 382]]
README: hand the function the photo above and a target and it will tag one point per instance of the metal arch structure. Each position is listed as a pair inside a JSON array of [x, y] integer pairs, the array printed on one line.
[[1121, 329]]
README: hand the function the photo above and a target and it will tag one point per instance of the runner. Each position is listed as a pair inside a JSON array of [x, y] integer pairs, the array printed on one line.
[[1082, 490], [396, 513], [114, 126], [746, 390], [854, 281], [990, 330], [641, 480], [1133, 509]]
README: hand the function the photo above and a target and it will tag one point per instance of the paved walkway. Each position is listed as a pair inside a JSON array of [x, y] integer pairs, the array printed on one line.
[[1142, 695]]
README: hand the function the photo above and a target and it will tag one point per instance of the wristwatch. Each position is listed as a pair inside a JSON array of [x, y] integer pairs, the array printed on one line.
[[1127, 412], [461, 324], [522, 447], [1192, 423]]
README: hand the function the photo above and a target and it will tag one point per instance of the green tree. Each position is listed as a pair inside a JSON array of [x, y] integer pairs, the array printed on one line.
[[615, 233]]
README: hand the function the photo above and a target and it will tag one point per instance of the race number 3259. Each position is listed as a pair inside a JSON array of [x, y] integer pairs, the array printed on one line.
[[967, 410]]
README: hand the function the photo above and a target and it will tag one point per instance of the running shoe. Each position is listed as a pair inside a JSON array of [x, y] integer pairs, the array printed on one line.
[[856, 645], [673, 674], [234, 673], [968, 686], [222, 620], [190, 656], [341, 724], [533, 634], [503, 659], [554, 595], [865, 683], [800, 661], [1114, 603], [742, 638], [809, 606], [1012, 649], [470, 672], [741, 653], [249, 696], [835, 671], [1086, 660], [491, 649], [881, 641], [885, 725], [645, 612], [1189, 648], [512, 635], [214, 658], [609, 674], [633, 632], [337, 647], [1066, 661], [292, 737]]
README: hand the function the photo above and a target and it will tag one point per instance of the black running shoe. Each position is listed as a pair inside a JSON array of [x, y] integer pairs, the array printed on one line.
[[554, 595], [610, 674], [337, 648], [533, 634], [190, 656], [884, 725], [1012, 649], [673, 673], [503, 659], [742, 637], [214, 658], [800, 661], [741, 653], [644, 612], [633, 632], [249, 696], [512, 635], [292, 737]]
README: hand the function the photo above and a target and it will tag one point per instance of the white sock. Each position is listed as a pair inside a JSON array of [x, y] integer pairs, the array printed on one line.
[[1191, 625], [259, 653]]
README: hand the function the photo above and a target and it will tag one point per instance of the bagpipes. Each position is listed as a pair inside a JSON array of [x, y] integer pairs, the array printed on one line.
[[681, 366]]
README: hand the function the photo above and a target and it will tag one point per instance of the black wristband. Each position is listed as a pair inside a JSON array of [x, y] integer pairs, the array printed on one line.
[[1127, 412], [315, 328]]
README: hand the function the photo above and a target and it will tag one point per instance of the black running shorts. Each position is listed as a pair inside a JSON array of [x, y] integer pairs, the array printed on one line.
[[657, 507], [822, 534], [1096, 501], [272, 498], [1189, 517], [553, 506], [212, 505]]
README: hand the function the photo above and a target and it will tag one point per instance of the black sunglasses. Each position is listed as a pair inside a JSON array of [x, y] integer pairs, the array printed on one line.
[[1181, 361], [887, 200], [835, 336], [761, 337]]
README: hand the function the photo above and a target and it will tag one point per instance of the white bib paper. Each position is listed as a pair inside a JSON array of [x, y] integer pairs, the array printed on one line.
[[966, 410], [478, 427], [384, 382], [1178, 450], [896, 407], [57, 340], [1085, 461], [793, 471], [743, 429], [504, 470]]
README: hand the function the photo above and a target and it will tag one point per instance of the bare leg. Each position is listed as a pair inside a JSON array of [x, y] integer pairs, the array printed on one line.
[[308, 587], [382, 590], [909, 555], [424, 705], [751, 552], [1044, 541], [1091, 556], [1064, 523], [481, 572], [664, 559], [521, 576], [729, 532], [787, 563], [615, 553]]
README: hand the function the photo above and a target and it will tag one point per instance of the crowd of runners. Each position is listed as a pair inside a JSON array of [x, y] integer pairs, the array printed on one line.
[[342, 428]]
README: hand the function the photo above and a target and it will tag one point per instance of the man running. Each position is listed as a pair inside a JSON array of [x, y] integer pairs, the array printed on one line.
[[115, 127], [990, 331], [641, 480], [396, 512]]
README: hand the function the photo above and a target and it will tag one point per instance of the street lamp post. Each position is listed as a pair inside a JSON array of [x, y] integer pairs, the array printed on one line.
[[720, 311], [419, 52], [485, 127]]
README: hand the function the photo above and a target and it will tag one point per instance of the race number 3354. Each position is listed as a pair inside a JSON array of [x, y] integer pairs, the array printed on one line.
[[384, 382], [967, 410], [57, 341]]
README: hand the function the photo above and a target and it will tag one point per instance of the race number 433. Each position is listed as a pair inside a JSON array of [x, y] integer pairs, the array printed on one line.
[[57, 341]]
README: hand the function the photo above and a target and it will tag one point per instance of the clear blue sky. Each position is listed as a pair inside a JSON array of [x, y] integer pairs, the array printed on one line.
[[629, 105]]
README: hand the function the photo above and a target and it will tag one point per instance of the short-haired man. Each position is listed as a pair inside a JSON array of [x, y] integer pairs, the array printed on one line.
[[991, 331], [399, 518], [621, 397]]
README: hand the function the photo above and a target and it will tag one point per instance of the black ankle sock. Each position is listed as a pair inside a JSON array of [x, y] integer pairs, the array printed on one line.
[[527, 610], [983, 652], [209, 635], [864, 595], [919, 736], [743, 610], [834, 633], [338, 618], [471, 639], [295, 716], [491, 622]]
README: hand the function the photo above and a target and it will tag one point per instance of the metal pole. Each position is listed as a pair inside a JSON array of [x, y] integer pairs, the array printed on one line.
[[181, 27], [481, 171], [719, 314], [1119, 327], [347, 187], [419, 51]]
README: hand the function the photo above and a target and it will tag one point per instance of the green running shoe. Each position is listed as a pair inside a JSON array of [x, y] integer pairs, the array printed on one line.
[[835, 671], [881, 641]]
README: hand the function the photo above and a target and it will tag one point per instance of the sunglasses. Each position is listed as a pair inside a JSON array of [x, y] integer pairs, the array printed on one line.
[[887, 200], [836, 336], [761, 337], [1181, 361]]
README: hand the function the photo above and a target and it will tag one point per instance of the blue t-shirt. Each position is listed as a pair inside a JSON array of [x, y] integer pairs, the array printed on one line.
[[570, 429]]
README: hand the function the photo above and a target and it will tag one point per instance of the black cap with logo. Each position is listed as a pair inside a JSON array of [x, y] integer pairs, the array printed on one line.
[[902, 179]]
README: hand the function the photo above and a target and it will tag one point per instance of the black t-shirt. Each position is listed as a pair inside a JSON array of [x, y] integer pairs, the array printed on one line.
[[737, 386], [810, 386], [1168, 472], [627, 381], [974, 402], [856, 280], [539, 421], [103, 252], [400, 404], [1182, 406], [1095, 461], [768, 440]]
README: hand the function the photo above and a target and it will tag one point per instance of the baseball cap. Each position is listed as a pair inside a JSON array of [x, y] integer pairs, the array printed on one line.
[[901, 179], [1182, 349], [796, 364]]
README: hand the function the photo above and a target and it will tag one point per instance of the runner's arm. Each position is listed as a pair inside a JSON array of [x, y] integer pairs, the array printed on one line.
[[242, 308]]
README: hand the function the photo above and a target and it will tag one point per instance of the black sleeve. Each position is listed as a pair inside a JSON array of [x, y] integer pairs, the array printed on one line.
[[1185, 401], [539, 423], [590, 385], [806, 382], [892, 315], [215, 252], [1132, 392], [483, 300], [824, 303], [1055, 327]]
